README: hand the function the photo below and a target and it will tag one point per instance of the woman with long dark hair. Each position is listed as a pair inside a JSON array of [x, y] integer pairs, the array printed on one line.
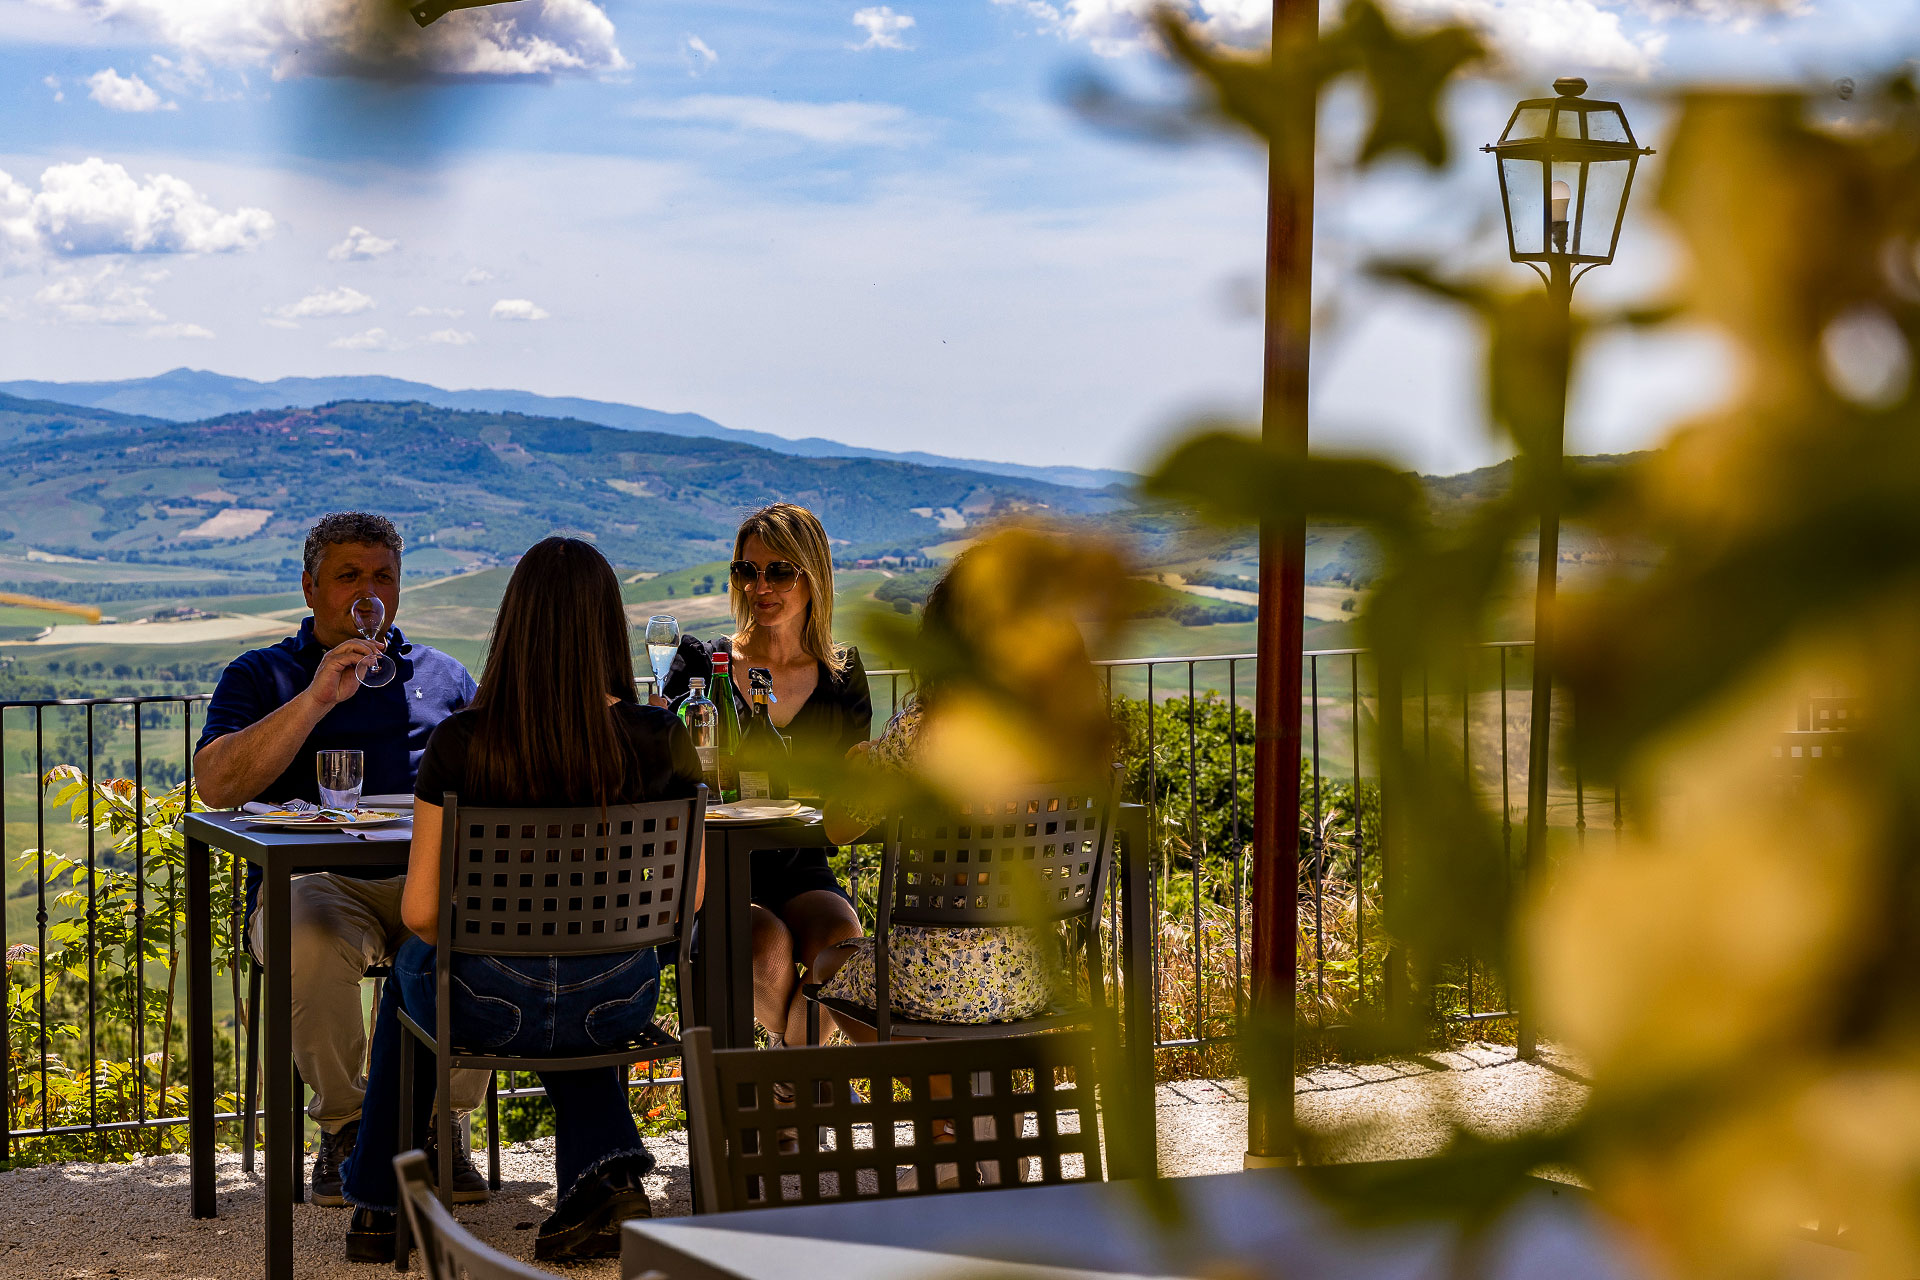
[[555, 722], [781, 590]]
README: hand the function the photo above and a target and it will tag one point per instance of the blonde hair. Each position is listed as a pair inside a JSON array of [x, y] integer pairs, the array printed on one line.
[[793, 533]]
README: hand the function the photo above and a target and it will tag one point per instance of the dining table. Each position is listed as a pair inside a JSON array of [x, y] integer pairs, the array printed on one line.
[[1260, 1224], [722, 967]]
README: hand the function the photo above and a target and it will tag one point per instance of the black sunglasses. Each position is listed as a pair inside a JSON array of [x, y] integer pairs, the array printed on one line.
[[780, 574]]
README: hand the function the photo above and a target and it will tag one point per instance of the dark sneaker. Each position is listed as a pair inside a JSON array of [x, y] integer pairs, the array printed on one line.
[[469, 1186], [587, 1223], [334, 1150], [370, 1236]]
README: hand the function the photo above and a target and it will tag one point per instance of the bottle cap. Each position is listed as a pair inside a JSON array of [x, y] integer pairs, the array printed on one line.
[[697, 684], [722, 660], [760, 680]]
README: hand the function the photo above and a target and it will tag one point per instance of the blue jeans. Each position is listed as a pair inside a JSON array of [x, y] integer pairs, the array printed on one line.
[[534, 1005]]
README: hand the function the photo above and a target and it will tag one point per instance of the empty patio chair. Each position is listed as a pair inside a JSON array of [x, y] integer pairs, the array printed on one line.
[[815, 1125]]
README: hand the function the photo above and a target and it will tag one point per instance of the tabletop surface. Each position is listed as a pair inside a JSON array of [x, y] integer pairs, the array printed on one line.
[[1243, 1222], [231, 831]]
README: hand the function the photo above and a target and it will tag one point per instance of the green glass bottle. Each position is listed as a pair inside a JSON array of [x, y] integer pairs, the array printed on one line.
[[727, 747]]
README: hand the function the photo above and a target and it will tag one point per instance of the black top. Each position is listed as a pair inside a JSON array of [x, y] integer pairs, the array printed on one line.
[[669, 768], [837, 714]]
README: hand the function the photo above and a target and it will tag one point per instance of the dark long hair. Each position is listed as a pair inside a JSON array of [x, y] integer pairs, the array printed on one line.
[[545, 734]]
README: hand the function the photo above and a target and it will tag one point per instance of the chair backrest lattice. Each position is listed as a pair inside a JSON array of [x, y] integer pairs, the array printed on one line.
[[1027, 857], [847, 1123], [1830, 713], [448, 1251], [568, 881]]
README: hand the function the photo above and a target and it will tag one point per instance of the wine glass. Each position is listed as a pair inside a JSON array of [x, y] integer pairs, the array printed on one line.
[[368, 615], [663, 640]]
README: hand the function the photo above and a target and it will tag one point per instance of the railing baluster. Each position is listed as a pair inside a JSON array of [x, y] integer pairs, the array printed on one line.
[[1466, 774], [1239, 853], [1318, 848], [1196, 848], [6, 1050], [40, 915], [137, 962], [1359, 849]]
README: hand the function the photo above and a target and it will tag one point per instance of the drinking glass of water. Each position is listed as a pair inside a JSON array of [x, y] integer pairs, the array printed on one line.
[[663, 639], [342, 772]]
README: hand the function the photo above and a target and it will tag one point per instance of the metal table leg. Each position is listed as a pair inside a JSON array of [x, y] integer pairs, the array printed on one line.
[[716, 941], [199, 873], [283, 1134], [1136, 957]]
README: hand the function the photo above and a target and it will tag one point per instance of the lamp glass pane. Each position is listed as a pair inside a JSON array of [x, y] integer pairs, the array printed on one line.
[[1526, 208], [1606, 187], [1607, 125], [1567, 123], [1531, 122]]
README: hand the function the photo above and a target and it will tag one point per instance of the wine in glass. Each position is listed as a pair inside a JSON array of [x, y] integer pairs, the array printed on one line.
[[369, 615], [663, 639]]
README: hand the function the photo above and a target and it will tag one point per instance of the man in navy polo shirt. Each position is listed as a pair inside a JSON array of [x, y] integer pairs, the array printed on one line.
[[273, 709]]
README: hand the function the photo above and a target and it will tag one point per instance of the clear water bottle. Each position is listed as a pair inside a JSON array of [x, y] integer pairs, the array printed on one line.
[[703, 722]]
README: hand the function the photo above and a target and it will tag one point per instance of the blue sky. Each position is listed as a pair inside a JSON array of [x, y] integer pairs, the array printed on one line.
[[875, 223]]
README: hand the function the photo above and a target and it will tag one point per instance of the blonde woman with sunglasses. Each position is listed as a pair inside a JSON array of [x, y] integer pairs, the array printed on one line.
[[781, 588]]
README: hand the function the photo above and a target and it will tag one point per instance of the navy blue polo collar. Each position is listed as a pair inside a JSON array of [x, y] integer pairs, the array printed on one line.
[[306, 638]]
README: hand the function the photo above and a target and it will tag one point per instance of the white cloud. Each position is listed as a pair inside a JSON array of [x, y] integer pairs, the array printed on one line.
[[353, 37], [366, 340], [360, 245], [343, 301], [1554, 35], [183, 75], [450, 338], [517, 309], [53, 83], [100, 296], [697, 54], [883, 27], [1551, 34], [179, 329], [476, 275], [840, 123], [94, 207], [449, 312], [116, 92]]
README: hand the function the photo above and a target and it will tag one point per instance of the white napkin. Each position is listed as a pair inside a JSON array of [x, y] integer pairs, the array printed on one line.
[[291, 806], [382, 833]]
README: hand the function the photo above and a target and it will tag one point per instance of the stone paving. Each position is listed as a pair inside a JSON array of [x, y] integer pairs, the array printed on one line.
[[129, 1221]]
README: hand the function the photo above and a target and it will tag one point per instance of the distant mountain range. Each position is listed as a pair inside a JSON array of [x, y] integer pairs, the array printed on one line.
[[237, 491], [189, 395]]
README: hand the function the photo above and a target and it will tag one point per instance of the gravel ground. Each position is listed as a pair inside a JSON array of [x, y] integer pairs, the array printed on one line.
[[129, 1221]]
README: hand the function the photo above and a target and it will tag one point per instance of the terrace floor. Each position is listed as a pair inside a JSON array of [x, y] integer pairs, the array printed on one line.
[[129, 1221]]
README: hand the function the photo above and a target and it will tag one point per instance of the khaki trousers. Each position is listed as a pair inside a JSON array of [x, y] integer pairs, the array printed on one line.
[[340, 926]]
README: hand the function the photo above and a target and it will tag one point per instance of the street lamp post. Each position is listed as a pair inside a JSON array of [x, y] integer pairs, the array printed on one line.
[[1566, 166]]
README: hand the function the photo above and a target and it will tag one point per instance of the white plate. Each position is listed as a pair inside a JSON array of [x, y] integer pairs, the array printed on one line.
[[761, 811], [286, 820]]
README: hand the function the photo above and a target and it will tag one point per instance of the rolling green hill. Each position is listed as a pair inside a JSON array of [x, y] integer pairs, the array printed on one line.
[[236, 493]]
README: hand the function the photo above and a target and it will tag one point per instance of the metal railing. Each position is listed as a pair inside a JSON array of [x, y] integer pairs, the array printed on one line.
[[1188, 749]]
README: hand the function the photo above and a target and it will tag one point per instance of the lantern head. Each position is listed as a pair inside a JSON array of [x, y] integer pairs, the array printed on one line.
[[1566, 166]]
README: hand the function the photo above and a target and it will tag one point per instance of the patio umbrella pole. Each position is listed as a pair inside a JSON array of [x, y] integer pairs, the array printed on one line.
[[1281, 626]]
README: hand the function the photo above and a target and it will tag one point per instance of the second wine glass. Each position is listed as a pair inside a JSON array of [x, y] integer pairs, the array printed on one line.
[[663, 640]]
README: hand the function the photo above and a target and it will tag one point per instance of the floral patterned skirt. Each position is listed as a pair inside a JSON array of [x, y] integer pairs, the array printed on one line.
[[958, 975]]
